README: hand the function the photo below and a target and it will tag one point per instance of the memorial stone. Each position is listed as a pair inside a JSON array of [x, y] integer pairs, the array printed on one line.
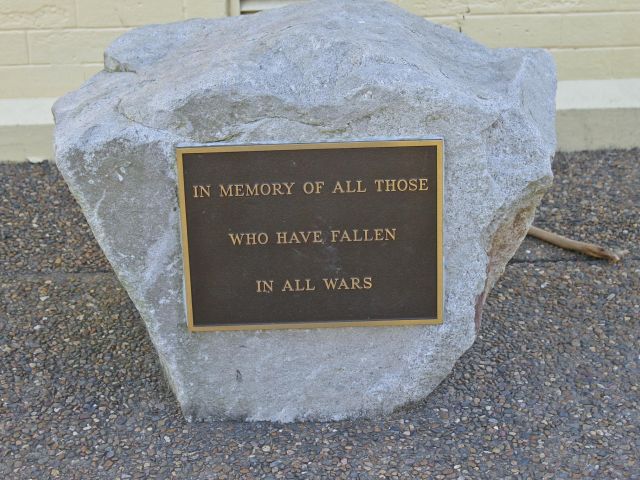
[[172, 120]]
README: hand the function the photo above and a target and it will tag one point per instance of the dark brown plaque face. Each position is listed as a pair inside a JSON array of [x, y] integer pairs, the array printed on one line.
[[312, 235]]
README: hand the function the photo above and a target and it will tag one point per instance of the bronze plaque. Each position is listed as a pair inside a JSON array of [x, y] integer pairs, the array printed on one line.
[[312, 235]]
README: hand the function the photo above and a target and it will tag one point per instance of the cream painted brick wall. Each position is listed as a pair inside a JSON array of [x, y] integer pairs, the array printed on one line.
[[13, 48], [428, 8], [121, 13], [48, 48], [51, 46], [569, 6], [433, 8], [555, 30], [39, 80], [73, 46], [205, 8], [597, 63], [590, 39], [31, 14]]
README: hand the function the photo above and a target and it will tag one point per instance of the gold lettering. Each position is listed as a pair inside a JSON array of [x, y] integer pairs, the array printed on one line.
[[305, 236], [298, 285], [264, 286], [312, 187], [401, 184], [201, 191], [256, 189], [288, 186], [330, 283], [225, 192], [294, 238], [351, 283], [265, 189], [390, 233], [363, 235], [309, 236], [252, 190], [305, 286], [349, 187], [251, 238], [263, 238], [235, 238]]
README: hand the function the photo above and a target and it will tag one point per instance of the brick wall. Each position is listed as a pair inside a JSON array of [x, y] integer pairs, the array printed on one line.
[[51, 46], [590, 39]]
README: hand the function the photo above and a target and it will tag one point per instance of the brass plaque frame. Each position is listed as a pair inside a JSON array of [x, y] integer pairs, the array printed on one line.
[[438, 143]]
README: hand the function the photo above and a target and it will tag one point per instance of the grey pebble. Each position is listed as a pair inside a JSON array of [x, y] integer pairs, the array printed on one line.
[[549, 389]]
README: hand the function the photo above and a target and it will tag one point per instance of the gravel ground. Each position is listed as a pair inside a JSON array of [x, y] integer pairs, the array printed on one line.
[[549, 389], [595, 198]]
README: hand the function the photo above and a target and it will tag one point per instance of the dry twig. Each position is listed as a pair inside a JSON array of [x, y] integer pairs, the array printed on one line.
[[582, 247]]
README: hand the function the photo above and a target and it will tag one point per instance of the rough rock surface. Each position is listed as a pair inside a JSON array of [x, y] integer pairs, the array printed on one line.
[[321, 71]]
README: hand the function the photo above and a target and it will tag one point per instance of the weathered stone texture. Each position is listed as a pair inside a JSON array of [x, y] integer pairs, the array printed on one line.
[[321, 71]]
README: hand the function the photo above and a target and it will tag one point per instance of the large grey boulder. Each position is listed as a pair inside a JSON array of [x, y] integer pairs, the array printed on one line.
[[320, 71]]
